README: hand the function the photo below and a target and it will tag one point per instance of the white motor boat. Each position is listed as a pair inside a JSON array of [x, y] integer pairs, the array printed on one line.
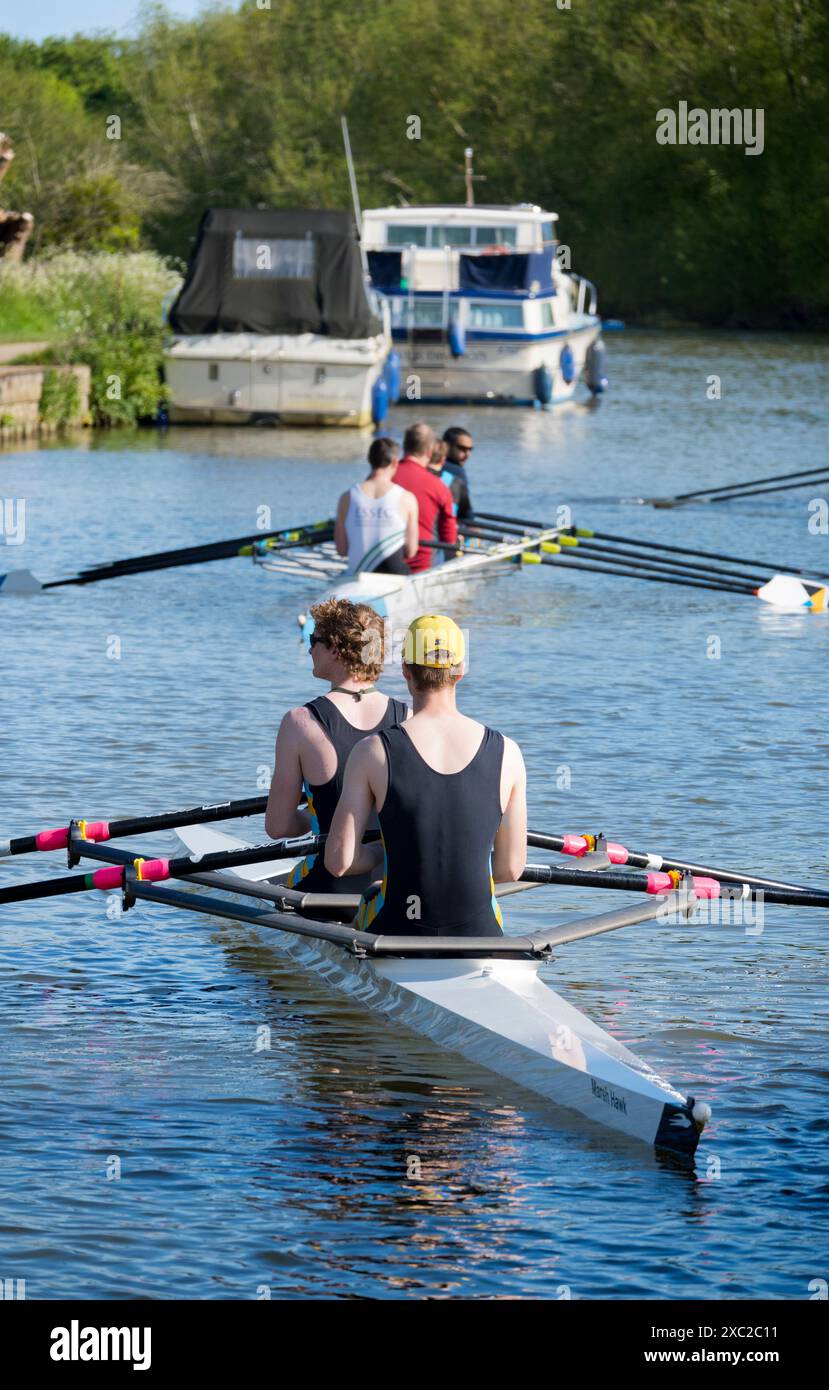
[[483, 306], [275, 323]]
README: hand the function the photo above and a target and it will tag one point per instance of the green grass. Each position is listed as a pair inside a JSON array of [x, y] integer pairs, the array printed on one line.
[[23, 320]]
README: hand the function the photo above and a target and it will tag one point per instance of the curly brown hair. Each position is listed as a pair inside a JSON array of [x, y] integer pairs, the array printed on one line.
[[354, 632]]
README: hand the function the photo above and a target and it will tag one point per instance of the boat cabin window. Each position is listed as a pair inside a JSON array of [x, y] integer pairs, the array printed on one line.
[[271, 258], [416, 313], [495, 236], [450, 236], [406, 236], [548, 232], [483, 314], [437, 237], [547, 320]]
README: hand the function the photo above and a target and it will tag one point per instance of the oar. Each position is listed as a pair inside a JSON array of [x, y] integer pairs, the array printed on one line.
[[632, 559], [513, 521], [58, 838], [581, 845], [564, 561], [769, 566], [169, 559], [156, 870], [765, 491], [729, 487], [663, 883]]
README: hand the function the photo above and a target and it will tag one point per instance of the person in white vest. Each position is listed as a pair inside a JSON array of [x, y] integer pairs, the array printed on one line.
[[377, 521]]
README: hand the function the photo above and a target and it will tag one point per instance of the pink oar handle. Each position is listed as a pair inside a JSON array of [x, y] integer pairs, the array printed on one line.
[[575, 845], [96, 830], [59, 838], [578, 845], [149, 871], [666, 883], [53, 839]]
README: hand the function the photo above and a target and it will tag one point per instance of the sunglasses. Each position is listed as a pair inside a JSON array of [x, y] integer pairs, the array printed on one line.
[[465, 448], [314, 641]]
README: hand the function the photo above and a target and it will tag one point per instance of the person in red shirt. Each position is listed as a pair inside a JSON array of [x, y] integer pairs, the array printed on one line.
[[434, 500]]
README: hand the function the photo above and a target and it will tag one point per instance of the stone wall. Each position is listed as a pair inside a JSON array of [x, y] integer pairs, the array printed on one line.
[[21, 392]]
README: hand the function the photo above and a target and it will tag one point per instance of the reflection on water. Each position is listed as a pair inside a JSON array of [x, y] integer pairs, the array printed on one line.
[[346, 1158]]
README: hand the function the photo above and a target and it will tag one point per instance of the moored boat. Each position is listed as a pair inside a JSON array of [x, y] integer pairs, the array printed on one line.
[[482, 306], [275, 324]]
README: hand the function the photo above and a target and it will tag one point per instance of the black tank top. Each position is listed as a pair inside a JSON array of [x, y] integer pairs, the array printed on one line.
[[438, 831], [311, 874]]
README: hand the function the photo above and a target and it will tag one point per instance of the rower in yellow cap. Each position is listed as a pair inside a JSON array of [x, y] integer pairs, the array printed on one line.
[[450, 796]]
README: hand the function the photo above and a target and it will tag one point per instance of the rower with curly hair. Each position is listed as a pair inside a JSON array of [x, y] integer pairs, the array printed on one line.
[[315, 739]]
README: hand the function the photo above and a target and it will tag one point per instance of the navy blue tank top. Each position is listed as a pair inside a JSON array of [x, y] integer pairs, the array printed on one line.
[[311, 874], [438, 831]]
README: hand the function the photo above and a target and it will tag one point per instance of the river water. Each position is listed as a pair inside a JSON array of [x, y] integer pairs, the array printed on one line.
[[151, 1146]]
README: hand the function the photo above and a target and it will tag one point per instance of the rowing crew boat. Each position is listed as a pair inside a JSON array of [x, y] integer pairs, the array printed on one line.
[[397, 597], [481, 999]]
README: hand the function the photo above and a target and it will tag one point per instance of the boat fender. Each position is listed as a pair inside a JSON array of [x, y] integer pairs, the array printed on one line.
[[701, 1114], [379, 401], [391, 372], [594, 368], [567, 364], [457, 339], [543, 385]]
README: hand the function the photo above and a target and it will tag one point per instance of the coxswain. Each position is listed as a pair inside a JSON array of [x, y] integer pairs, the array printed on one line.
[[315, 739], [377, 521], [450, 796], [434, 500], [459, 448]]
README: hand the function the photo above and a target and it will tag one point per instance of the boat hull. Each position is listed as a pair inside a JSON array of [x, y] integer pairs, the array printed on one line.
[[400, 597], [495, 371], [247, 378], [497, 1014]]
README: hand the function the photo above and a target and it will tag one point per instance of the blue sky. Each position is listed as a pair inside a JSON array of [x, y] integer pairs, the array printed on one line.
[[41, 18]]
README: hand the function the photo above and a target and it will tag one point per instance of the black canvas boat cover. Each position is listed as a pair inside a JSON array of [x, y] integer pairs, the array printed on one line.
[[274, 271]]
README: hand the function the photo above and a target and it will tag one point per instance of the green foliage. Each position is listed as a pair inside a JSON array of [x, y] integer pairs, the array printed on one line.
[[242, 106], [106, 310], [59, 399], [74, 179], [96, 214]]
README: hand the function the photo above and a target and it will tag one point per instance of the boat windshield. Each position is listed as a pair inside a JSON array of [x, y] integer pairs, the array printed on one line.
[[450, 234], [484, 314], [417, 313]]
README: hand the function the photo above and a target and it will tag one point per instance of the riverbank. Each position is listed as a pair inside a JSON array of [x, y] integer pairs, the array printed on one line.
[[38, 400], [100, 311]]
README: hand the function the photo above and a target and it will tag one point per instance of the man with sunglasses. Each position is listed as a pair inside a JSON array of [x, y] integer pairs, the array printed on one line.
[[315, 740], [459, 448]]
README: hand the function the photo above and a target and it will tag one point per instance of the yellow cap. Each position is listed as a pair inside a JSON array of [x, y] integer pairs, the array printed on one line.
[[433, 640]]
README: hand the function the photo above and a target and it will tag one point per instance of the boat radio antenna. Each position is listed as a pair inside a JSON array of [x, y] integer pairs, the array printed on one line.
[[470, 178], [355, 197]]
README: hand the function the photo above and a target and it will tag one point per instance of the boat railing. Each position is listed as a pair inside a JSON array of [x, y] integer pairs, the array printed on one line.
[[585, 287]]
